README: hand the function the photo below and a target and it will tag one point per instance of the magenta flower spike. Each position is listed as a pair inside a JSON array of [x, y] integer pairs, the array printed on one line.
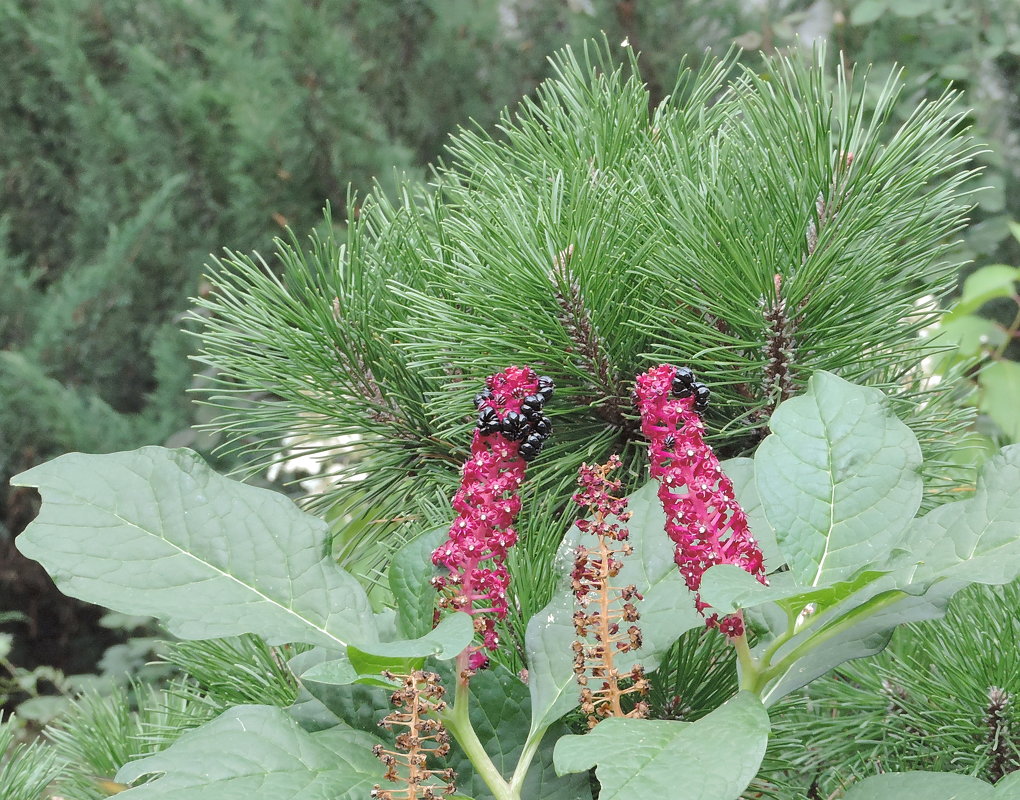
[[703, 518], [510, 432]]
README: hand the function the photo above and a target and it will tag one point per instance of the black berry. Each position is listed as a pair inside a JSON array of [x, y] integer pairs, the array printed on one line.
[[531, 447], [532, 406], [683, 382], [701, 393], [514, 426], [488, 421], [542, 426]]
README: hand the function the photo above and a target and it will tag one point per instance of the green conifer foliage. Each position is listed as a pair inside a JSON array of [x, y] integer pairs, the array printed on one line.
[[138, 137], [756, 226]]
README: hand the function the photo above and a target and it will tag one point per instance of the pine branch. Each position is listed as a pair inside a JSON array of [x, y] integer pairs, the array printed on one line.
[[589, 346]]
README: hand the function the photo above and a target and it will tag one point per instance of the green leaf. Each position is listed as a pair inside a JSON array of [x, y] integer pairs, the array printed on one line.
[[867, 11], [727, 587], [860, 625], [987, 283], [501, 715], [714, 758], [258, 751], [1000, 398], [666, 611], [324, 703], [970, 335], [446, 641], [410, 573], [157, 532], [366, 664], [338, 672], [1008, 788], [838, 479], [741, 472], [975, 540], [913, 785]]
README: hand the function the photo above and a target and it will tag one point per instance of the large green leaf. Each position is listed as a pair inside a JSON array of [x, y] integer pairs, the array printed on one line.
[[157, 532], [926, 785], [409, 574], [977, 539], [1000, 396], [714, 758], [741, 472], [838, 479], [365, 664], [323, 704], [666, 611], [727, 587], [258, 753]]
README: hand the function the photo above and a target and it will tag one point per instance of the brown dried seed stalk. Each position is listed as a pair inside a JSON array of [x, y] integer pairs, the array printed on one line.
[[417, 701], [601, 615]]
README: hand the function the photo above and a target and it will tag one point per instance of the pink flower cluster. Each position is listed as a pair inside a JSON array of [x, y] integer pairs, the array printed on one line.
[[486, 504], [704, 520]]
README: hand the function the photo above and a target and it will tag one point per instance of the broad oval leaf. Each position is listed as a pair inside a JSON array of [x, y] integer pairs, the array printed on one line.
[[258, 752], [157, 532], [914, 785], [727, 587], [838, 479], [859, 625], [714, 758], [365, 664], [977, 539]]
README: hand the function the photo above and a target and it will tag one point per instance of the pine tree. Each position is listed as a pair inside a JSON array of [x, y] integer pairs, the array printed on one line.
[[755, 226]]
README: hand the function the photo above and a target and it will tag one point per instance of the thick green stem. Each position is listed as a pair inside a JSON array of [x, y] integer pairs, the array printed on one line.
[[749, 666], [751, 669], [524, 762], [458, 723]]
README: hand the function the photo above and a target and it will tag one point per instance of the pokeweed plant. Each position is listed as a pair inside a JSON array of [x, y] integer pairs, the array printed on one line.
[[806, 555], [761, 228]]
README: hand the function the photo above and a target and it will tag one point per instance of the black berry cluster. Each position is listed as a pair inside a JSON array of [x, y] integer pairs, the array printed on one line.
[[684, 385], [529, 426]]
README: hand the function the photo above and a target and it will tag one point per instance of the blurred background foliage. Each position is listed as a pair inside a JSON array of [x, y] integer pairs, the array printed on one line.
[[136, 138]]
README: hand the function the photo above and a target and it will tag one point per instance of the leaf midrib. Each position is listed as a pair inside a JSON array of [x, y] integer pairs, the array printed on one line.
[[213, 567]]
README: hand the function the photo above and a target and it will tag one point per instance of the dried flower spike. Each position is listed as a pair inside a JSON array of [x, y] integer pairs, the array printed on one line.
[[511, 431], [418, 701], [703, 518], [607, 613]]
